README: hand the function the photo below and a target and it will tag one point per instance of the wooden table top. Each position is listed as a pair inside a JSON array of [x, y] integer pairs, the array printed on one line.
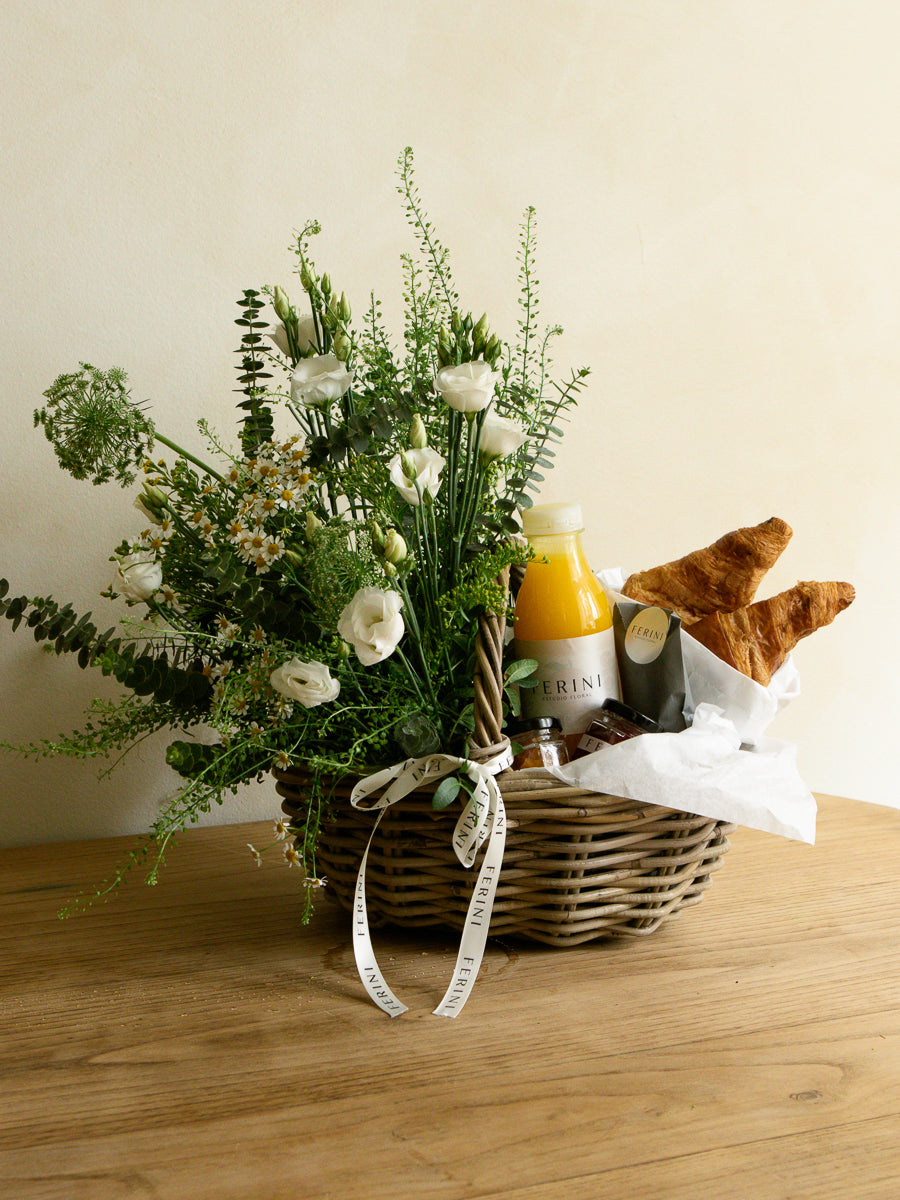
[[194, 1042]]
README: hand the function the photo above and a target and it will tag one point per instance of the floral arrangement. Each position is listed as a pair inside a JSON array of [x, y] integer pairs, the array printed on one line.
[[312, 598]]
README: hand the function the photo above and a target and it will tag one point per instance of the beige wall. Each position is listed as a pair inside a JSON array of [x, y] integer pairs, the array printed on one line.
[[718, 189]]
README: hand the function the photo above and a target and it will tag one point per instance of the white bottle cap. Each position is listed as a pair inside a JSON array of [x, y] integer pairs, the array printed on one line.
[[545, 519]]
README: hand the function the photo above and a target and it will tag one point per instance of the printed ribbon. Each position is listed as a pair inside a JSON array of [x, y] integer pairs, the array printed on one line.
[[483, 819]]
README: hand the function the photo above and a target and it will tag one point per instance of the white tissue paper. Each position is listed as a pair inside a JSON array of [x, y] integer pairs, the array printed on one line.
[[723, 766]]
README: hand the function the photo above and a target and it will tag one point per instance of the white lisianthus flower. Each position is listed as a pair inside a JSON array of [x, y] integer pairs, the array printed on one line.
[[137, 577], [309, 683], [306, 332], [469, 387], [427, 464], [500, 437], [278, 335], [319, 380], [372, 624], [306, 335]]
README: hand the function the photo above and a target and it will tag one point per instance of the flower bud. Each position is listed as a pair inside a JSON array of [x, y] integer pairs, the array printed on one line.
[[312, 524], [281, 304], [418, 435], [456, 324], [153, 499], [344, 650], [326, 285], [292, 557], [492, 349], [345, 309], [389, 569], [407, 462], [306, 278], [377, 535], [341, 345], [480, 333], [395, 549]]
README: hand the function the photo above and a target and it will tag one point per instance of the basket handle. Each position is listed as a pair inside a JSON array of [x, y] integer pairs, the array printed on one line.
[[488, 738]]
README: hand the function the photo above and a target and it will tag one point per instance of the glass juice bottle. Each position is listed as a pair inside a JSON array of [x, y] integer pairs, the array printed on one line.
[[563, 621]]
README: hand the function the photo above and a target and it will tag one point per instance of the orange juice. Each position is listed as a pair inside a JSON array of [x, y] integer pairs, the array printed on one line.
[[563, 621]]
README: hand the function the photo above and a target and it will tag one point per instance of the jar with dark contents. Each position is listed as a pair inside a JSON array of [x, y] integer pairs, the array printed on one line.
[[541, 743], [613, 722]]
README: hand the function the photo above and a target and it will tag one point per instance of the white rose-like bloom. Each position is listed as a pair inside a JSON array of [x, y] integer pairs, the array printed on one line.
[[309, 683], [428, 464], [278, 334], [306, 335], [137, 577], [306, 332], [500, 437], [319, 380], [372, 624], [469, 387]]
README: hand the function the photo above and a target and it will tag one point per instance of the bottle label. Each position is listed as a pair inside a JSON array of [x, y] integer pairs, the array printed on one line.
[[575, 676]]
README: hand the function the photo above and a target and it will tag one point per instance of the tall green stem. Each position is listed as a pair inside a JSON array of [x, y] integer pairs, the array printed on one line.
[[414, 679], [186, 454]]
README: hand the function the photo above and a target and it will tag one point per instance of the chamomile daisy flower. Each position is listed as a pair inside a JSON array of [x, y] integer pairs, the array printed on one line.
[[227, 630], [252, 545], [262, 468], [236, 530]]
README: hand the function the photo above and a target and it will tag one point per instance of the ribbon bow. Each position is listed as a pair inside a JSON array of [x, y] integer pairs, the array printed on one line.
[[483, 819]]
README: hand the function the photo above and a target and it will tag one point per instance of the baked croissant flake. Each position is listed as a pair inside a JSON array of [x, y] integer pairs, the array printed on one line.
[[758, 638], [722, 577]]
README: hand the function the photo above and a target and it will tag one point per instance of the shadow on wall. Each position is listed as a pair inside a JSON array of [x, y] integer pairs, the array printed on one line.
[[60, 798]]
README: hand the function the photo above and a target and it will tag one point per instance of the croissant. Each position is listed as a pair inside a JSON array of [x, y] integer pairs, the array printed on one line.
[[720, 578], [757, 639]]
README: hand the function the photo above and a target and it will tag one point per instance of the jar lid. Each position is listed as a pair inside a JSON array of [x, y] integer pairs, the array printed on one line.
[[545, 519], [631, 714], [537, 723]]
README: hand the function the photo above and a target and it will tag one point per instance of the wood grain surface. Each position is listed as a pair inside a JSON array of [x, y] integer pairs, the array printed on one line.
[[194, 1041]]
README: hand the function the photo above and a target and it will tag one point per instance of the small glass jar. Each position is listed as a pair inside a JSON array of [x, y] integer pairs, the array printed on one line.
[[614, 722], [542, 743]]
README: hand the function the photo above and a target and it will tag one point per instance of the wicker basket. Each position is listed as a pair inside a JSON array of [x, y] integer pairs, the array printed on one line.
[[578, 865]]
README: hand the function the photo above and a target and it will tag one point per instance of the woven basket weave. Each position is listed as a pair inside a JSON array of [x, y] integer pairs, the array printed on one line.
[[578, 865]]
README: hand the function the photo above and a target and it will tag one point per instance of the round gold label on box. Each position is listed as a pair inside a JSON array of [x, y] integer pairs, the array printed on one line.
[[646, 635]]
